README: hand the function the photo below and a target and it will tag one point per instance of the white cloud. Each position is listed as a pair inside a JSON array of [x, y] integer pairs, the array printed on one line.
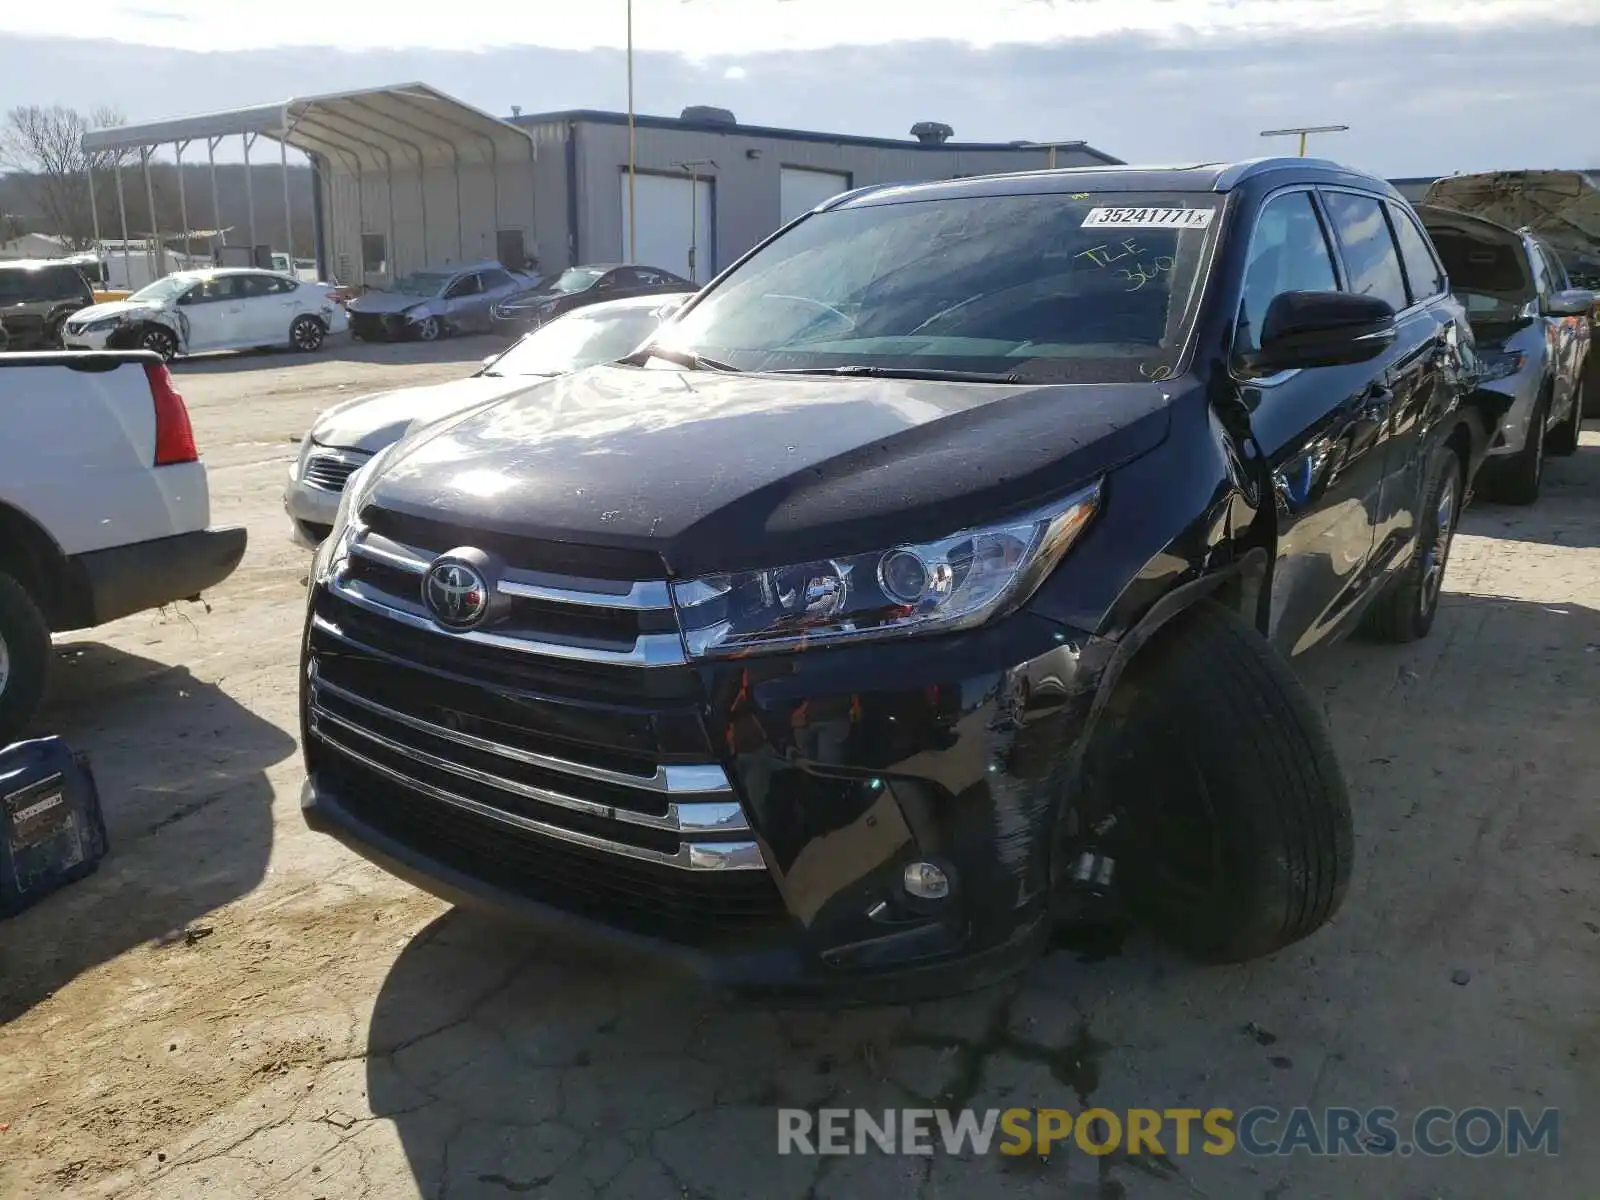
[[701, 28], [734, 73]]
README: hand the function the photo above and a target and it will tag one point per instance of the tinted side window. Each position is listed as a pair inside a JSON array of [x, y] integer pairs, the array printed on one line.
[[62, 283], [1369, 250], [494, 279], [251, 287], [1288, 253], [1422, 268], [280, 287]]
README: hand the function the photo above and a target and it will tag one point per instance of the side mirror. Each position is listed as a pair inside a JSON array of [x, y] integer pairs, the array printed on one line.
[[1574, 302], [1322, 329]]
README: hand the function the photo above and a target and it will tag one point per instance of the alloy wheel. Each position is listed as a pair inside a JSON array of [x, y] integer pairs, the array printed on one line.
[[5, 665], [307, 335], [159, 341], [1437, 555]]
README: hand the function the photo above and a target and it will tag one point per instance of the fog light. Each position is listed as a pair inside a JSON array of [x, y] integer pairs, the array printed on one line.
[[925, 881]]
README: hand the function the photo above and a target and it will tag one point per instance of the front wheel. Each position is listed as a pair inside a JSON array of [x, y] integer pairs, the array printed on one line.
[[159, 338], [1516, 480], [1213, 787], [429, 329], [1564, 437], [306, 334]]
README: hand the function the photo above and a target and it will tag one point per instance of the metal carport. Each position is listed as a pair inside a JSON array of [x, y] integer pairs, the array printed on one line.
[[405, 176]]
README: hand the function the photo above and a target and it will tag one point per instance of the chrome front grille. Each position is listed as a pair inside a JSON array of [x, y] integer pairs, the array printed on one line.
[[330, 470], [563, 720], [610, 622]]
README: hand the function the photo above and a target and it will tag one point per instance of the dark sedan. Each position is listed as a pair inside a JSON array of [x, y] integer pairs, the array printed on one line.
[[580, 286]]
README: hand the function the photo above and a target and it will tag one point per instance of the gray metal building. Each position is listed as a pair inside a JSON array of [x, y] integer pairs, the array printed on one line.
[[708, 188]]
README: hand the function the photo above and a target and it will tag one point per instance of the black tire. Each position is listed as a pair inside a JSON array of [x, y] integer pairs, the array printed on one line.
[[1211, 744], [307, 334], [160, 339], [1564, 437], [1405, 612], [1516, 480], [24, 658]]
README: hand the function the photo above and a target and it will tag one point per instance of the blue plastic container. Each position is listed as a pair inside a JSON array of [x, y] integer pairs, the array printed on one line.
[[52, 831]]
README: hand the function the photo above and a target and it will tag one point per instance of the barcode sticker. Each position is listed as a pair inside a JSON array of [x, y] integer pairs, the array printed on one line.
[[1147, 218]]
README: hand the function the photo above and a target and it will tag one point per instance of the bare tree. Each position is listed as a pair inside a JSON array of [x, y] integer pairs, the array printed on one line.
[[45, 145]]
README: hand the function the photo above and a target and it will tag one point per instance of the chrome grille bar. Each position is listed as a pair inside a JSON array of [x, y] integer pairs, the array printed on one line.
[[713, 815], [675, 780], [692, 856], [647, 595], [649, 649]]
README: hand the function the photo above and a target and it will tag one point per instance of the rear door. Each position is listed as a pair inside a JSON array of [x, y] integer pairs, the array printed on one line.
[[1321, 430], [464, 301], [269, 308], [1427, 344]]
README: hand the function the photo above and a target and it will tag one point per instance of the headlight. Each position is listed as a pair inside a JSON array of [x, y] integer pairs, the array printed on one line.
[[953, 583], [1502, 366], [102, 325]]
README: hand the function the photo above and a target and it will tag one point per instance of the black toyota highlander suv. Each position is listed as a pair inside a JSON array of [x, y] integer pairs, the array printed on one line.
[[928, 581]]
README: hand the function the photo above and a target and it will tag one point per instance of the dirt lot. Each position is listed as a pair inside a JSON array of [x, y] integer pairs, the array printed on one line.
[[235, 1007]]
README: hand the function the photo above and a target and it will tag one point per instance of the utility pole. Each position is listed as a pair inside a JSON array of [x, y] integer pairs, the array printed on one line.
[[633, 228], [1302, 131]]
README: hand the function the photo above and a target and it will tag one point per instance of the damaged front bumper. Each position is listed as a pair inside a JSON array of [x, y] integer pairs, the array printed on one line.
[[850, 766]]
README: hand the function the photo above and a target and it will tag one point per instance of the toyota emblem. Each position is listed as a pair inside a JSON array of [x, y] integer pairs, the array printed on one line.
[[456, 594]]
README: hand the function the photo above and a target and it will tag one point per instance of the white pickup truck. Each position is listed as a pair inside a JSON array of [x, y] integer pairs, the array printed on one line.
[[104, 507]]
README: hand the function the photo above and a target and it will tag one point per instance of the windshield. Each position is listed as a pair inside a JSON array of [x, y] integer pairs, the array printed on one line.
[[423, 283], [167, 288], [576, 341], [1056, 288], [576, 279]]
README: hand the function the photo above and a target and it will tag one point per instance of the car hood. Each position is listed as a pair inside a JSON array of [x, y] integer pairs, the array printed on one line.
[[1562, 207], [722, 471], [370, 423], [386, 302], [115, 308]]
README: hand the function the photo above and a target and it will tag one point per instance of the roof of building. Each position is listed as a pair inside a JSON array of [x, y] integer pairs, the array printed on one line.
[[642, 121], [370, 127]]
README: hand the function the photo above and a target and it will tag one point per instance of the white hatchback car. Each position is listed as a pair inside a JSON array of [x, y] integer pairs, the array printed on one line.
[[195, 312]]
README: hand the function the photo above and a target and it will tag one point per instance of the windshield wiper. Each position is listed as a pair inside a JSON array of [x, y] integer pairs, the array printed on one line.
[[684, 358], [867, 372]]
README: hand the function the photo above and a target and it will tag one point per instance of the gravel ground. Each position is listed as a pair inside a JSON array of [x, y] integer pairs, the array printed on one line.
[[235, 1007]]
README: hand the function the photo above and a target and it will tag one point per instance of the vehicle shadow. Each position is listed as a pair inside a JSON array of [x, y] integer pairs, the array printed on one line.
[[507, 1063], [464, 348], [187, 807], [1565, 513]]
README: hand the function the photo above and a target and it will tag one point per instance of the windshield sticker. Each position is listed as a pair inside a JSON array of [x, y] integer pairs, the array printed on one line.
[[1147, 218]]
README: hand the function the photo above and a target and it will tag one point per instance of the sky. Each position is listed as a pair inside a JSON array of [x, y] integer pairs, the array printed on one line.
[[1427, 86]]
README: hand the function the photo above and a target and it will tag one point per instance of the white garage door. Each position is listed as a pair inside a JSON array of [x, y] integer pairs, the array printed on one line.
[[802, 190], [669, 228]]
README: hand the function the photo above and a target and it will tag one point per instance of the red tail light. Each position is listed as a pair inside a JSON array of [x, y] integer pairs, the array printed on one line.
[[174, 434]]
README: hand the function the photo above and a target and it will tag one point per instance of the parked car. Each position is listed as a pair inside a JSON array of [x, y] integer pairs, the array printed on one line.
[[1561, 208], [432, 304], [931, 575], [195, 312], [36, 298], [579, 286], [347, 435], [104, 507], [1532, 334]]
